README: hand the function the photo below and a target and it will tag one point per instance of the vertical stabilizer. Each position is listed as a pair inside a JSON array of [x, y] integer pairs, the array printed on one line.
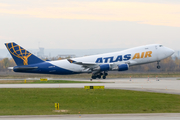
[[22, 56]]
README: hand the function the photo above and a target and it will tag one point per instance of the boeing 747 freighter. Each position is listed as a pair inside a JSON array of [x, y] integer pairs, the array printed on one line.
[[98, 65]]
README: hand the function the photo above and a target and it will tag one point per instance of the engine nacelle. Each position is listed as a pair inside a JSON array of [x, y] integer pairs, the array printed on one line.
[[121, 67], [104, 67]]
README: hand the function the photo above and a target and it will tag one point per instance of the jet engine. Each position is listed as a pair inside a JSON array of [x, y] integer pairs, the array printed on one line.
[[121, 67], [104, 67], [107, 67]]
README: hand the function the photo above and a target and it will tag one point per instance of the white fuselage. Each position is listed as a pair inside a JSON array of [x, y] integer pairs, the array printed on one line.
[[133, 56]]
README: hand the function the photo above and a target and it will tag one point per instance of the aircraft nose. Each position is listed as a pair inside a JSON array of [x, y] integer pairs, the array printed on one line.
[[169, 51]]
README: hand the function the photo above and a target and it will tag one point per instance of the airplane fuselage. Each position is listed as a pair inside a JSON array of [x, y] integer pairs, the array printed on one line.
[[134, 56]]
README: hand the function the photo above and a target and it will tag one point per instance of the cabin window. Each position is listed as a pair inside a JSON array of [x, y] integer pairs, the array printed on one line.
[[160, 45]]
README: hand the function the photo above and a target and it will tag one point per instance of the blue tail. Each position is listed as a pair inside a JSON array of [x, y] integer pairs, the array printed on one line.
[[21, 56]]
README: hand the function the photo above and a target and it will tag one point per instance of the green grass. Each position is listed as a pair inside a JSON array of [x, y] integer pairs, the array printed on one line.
[[40, 101], [41, 82]]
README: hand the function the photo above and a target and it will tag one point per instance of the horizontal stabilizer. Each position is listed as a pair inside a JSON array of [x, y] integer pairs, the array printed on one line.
[[24, 68], [10, 68]]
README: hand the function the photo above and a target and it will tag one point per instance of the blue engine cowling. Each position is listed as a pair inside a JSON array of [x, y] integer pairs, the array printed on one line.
[[104, 67], [123, 67]]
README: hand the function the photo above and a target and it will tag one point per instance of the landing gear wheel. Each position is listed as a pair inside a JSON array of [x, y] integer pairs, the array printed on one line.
[[158, 67], [93, 77], [99, 76], [104, 77]]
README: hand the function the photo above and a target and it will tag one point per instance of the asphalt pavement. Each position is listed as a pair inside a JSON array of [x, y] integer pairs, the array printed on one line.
[[161, 85], [149, 116]]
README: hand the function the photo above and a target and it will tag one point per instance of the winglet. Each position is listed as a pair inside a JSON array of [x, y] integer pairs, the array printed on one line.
[[71, 61]]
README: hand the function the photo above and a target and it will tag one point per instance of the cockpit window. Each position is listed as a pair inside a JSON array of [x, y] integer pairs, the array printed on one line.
[[160, 45]]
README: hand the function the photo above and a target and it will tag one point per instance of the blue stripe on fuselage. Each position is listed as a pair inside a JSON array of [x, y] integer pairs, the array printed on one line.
[[44, 68]]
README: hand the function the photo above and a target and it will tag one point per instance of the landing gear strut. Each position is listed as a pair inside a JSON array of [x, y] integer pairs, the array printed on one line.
[[158, 66]]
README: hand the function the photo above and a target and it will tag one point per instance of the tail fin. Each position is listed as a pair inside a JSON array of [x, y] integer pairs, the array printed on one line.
[[21, 56]]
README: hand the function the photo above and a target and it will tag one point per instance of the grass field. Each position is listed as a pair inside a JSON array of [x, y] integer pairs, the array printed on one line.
[[41, 101], [42, 82]]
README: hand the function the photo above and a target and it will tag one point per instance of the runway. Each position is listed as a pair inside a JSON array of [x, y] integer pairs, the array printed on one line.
[[150, 116], [164, 85]]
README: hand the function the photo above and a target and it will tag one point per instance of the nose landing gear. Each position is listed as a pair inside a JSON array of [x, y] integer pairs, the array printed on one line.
[[158, 66]]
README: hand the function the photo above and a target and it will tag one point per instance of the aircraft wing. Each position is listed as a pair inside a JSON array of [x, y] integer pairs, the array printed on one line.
[[97, 66], [84, 64]]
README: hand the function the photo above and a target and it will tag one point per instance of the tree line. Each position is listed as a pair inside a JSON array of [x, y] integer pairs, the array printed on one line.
[[167, 65]]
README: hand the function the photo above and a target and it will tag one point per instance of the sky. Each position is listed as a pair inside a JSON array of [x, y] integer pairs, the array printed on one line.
[[89, 24]]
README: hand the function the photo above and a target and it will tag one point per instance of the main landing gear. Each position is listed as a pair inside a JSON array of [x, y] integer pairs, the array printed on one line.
[[158, 66], [104, 75], [99, 75]]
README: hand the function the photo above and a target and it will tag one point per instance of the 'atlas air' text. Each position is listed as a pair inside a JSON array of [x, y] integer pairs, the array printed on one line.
[[124, 57]]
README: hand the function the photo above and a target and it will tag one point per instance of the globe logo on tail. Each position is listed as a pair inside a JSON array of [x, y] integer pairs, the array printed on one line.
[[19, 52]]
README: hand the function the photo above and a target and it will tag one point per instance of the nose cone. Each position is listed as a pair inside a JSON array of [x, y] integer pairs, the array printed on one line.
[[169, 52]]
